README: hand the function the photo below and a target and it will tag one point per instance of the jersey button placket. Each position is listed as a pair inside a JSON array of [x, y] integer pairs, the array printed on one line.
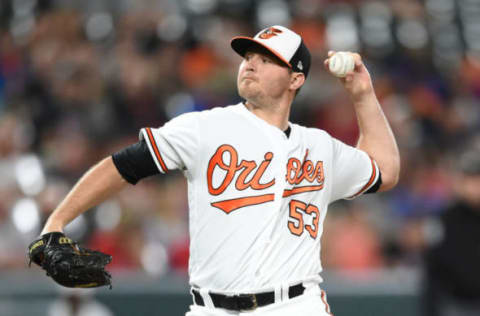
[[278, 144]]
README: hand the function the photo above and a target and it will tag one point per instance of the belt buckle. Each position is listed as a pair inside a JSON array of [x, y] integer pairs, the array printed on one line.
[[253, 300]]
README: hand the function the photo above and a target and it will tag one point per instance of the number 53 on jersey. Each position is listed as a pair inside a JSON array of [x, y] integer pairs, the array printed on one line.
[[296, 222]]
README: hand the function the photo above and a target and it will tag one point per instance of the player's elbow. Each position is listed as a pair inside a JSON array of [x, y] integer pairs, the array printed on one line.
[[390, 174]]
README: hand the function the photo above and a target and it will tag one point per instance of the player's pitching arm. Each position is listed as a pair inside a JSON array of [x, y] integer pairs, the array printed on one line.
[[376, 137], [95, 186]]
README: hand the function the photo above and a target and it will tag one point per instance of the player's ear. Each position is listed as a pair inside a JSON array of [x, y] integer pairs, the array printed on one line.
[[297, 80]]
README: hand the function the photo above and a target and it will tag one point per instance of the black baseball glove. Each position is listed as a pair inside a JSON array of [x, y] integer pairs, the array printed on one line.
[[67, 263]]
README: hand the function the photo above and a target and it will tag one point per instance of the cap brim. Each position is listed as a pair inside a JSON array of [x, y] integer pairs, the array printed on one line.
[[240, 44]]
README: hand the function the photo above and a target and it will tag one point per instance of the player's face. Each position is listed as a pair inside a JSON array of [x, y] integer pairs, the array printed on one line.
[[262, 78]]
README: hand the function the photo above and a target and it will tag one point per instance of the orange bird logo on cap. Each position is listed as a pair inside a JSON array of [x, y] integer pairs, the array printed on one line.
[[270, 32]]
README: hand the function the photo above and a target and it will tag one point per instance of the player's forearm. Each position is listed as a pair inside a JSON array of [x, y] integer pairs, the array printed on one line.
[[377, 139], [97, 185]]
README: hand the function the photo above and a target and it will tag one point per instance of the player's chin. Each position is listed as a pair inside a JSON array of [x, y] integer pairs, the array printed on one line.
[[247, 91]]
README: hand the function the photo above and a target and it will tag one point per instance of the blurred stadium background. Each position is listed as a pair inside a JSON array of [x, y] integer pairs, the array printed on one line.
[[78, 79]]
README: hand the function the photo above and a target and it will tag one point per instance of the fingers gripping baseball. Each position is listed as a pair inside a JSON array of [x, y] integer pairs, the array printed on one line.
[[351, 71], [341, 63]]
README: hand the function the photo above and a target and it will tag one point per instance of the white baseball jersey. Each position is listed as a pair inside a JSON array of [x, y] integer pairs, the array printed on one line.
[[257, 198]]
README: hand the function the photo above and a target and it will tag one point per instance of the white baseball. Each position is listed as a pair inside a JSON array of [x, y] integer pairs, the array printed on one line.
[[341, 63]]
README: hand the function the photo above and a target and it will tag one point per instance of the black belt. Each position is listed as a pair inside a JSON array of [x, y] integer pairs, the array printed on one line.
[[243, 302]]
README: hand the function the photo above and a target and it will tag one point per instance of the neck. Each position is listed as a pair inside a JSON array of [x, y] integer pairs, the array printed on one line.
[[274, 115]]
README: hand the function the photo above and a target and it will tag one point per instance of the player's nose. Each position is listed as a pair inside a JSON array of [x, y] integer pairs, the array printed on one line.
[[251, 62], [247, 68]]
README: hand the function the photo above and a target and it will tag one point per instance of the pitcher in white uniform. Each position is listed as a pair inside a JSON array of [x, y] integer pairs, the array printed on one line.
[[259, 186]]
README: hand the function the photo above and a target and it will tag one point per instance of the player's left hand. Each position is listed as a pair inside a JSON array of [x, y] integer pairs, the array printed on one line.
[[358, 82], [69, 264]]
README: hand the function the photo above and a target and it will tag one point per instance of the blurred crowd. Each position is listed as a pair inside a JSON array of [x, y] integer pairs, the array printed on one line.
[[78, 79]]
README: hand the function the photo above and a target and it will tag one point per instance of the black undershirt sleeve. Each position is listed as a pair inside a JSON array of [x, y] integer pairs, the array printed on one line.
[[377, 184], [135, 162]]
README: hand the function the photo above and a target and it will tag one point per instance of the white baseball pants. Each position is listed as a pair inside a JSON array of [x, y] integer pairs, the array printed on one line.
[[313, 302]]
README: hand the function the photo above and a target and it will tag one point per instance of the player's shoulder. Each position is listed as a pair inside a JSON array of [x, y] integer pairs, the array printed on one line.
[[312, 132], [209, 113], [197, 120], [221, 110], [184, 119]]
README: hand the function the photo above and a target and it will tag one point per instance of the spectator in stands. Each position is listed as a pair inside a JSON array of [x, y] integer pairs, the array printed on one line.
[[452, 278]]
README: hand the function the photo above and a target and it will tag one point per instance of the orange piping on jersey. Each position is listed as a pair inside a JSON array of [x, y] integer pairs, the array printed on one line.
[[324, 300], [155, 149], [298, 190], [231, 205], [372, 178]]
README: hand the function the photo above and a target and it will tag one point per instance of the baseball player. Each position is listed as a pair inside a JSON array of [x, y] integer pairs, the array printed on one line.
[[259, 186]]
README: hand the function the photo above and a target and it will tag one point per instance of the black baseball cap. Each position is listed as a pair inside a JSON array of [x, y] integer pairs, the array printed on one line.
[[282, 42]]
